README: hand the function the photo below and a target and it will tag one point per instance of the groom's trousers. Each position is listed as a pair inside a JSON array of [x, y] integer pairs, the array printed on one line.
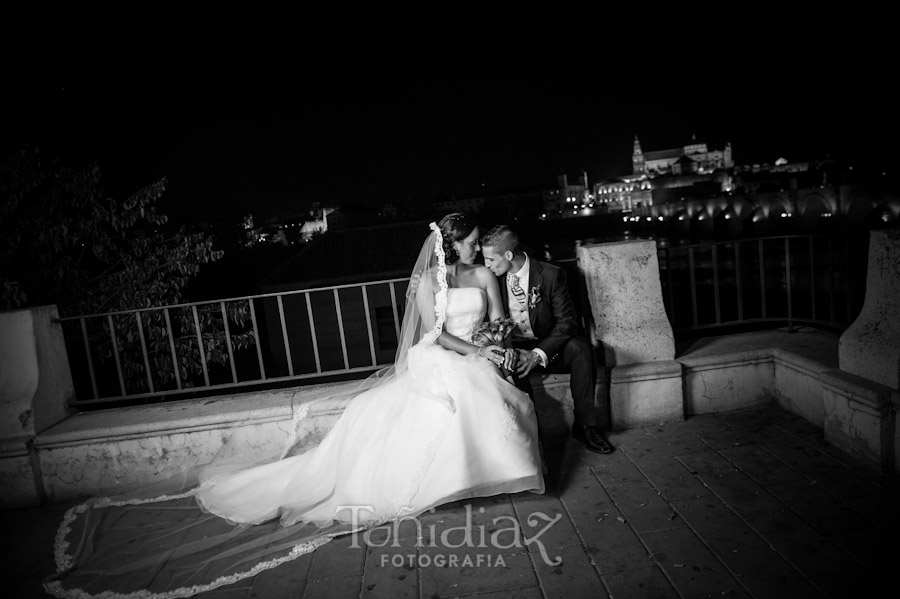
[[576, 358]]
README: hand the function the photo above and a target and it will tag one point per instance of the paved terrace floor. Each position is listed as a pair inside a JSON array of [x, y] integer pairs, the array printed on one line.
[[750, 503]]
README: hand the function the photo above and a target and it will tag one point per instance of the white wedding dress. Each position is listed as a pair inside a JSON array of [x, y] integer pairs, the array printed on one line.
[[448, 428], [451, 428]]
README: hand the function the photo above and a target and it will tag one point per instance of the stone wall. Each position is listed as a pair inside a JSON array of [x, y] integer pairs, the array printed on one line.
[[35, 388]]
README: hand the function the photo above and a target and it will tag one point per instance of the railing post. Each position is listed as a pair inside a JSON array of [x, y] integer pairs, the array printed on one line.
[[284, 337], [171, 334], [115, 347], [200, 345], [262, 366], [762, 279], [787, 283], [831, 286], [716, 292], [812, 278], [365, 297], [312, 332], [340, 322], [90, 357], [140, 328], [227, 330], [395, 312], [693, 275], [738, 280]]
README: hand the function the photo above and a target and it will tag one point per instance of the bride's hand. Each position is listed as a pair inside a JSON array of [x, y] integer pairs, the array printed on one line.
[[494, 353], [413, 285]]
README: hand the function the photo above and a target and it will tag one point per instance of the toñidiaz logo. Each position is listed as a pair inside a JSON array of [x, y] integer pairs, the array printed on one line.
[[504, 533]]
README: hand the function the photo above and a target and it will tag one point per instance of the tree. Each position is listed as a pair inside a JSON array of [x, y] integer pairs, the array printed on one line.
[[66, 243]]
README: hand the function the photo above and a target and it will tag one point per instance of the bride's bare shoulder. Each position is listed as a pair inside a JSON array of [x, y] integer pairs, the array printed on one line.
[[481, 274]]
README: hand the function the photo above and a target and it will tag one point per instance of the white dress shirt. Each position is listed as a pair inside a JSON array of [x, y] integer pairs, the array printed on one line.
[[519, 313]]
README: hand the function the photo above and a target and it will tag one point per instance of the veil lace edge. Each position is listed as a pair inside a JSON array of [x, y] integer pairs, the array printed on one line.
[[440, 299]]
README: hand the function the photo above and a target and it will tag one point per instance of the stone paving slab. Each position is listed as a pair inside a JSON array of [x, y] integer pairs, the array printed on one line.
[[672, 482], [744, 504], [639, 583], [691, 567], [719, 527], [575, 576]]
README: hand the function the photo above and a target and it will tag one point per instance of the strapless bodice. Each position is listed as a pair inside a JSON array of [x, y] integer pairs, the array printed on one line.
[[466, 307]]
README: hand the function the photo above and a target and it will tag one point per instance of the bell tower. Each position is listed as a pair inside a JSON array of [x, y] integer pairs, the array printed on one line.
[[637, 158]]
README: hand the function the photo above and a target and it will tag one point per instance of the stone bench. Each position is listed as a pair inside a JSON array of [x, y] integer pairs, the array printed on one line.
[[102, 451]]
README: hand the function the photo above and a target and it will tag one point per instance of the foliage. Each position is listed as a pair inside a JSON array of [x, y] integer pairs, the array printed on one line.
[[66, 243]]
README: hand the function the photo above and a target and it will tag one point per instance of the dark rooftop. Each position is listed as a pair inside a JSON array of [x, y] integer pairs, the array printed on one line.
[[663, 154]]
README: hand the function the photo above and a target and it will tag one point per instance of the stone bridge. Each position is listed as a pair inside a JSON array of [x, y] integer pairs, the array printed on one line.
[[803, 210]]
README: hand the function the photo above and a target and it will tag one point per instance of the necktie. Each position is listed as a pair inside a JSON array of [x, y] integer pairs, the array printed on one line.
[[516, 290]]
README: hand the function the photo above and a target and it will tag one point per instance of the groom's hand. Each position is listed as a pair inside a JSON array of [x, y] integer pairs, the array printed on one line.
[[526, 362]]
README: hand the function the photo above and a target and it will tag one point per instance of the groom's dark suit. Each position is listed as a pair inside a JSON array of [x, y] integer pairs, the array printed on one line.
[[551, 313]]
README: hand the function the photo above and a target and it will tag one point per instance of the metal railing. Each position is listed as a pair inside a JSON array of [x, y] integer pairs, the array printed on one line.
[[151, 354], [235, 342], [811, 279]]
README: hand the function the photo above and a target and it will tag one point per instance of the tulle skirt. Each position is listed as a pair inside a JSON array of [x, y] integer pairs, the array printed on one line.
[[447, 428]]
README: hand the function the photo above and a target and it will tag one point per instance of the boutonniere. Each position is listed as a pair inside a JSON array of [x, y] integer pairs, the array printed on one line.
[[534, 298]]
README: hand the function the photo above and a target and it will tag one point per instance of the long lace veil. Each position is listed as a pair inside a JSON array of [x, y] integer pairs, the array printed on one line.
[[424, 310], [155, 542]]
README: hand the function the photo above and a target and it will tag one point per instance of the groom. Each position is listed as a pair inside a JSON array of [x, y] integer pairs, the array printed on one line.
[[536, 297]]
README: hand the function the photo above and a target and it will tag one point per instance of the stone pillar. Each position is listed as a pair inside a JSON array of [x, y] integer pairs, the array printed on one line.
[[870, 347], [623, 285], [35, 386], [630, 322], [861, 400]]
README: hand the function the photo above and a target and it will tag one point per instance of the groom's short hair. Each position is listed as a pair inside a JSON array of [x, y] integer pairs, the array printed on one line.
[[502, 239]]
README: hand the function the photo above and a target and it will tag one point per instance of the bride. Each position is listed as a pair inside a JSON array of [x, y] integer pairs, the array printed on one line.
[[440, 425]]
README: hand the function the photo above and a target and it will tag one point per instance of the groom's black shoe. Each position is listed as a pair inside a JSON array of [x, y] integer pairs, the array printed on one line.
[[593, 439]]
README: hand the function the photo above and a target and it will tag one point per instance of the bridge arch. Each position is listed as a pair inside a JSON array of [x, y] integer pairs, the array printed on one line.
[[880, 215], [680, 223], [811, 200], [758, 224], [812, 212], [727, 224], [702, 224], [742, 207], [859, 208]]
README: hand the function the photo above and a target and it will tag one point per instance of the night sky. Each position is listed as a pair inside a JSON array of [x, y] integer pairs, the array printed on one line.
[[237, 132]]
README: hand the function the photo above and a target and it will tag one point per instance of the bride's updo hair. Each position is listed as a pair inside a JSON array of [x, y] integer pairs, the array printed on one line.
[[454, 227]]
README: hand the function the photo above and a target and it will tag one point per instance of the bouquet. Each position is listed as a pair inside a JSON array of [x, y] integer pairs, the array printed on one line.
[[495, 333]]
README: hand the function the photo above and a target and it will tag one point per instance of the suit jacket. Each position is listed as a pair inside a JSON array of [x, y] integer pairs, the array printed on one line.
[[552, 316]]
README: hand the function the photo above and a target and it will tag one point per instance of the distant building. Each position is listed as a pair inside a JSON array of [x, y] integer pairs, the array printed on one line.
[[319, 222], [568, 199], [763, 178], [689, 159], [623, 194], [293, 227], [663, 176]]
